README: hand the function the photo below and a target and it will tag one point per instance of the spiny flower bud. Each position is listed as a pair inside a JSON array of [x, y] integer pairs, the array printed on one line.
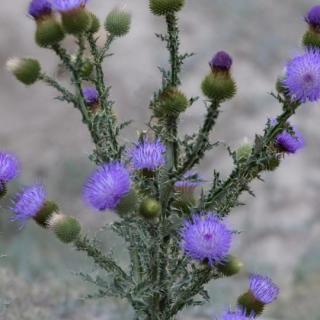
[[219, 85], [172, 102], [95, 23], [86, 68], [244, 152], [91, 97], [164, 7], [311, 39], [75, 18], [231, 266], [127, 204], [49, 32], [25, 70], [150, 208], [118, 22], [67, 229]]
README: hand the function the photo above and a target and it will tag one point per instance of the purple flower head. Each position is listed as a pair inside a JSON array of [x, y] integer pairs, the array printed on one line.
[[263, 289], [28, 202], [205, 237], [68, 5], [238, 314], [148, 155], [313, 17], [290, 143], [9, 167], [40, 8], [91, 95], [221, 62], [189, 182], [302, 77], [106, 186]]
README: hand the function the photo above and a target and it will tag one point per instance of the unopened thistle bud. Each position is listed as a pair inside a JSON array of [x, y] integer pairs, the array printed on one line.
[[75, 18], [86, 68], [95, 23], [25, 70], [150, 208], [127, 204], [230, 266], [172, 103], [219, 85], [67, 229], [164, 7], [262, 291], [244, 152], [118, 22]]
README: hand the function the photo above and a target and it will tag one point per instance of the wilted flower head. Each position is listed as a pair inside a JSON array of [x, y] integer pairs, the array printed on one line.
[[206, 237], [40, 8], [68, 5], [106, 186], [28, 202], [9, 167], [302, 77], [290, 142], [189, 182], [237, 314], [91, 95], [313, 16], [221, 61], [148, 155], [263, 289]]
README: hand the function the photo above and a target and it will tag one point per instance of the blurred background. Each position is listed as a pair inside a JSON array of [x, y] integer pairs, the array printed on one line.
[[280, 227]]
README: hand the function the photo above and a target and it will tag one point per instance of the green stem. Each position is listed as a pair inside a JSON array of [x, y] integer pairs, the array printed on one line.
[[66, 94]]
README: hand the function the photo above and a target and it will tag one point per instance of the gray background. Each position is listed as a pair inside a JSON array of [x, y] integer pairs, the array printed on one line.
[[281, 227]]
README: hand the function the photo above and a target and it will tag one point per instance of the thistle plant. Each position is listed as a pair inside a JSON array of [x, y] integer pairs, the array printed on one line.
[[177, 241]]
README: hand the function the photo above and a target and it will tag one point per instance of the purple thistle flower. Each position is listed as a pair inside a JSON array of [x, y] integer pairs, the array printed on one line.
[[205, 237], [313, 17], [39, 8], [148, 155], [106, 186], [9, 167], [28, 202], [263, 289], [91, 96], [68, 5], [221, 61], [302, 77], [238, 314], [189, 182], [290, 143]]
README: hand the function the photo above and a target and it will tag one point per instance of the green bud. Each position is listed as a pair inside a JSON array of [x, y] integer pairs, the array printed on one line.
[[150, 208], [272, 163], [231, 266], [76, 21], [127, 204], [311, 39], [49, 32], [164, 7], [3, 189], [218, 86], [86, 68], [172, 102], [25, 70], [250, 304], [118, 22], [43, 217], [67, 229], [95, 23], [244, 152]]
